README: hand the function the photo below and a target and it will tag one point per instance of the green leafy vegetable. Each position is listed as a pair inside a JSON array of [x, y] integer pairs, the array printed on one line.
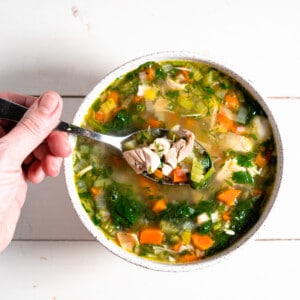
[[243, 177], [121, 121], [125, 209], [177, 212], [244, 215], [245, 160]]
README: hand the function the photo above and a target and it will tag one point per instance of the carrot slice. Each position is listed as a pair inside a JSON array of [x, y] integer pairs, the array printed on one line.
[[154, 123], [114, 95], [228, 124], [226, 215], [261, 160], [189, 257], [202, 242], [158, 173], [179, 175], [100, 116], [177, 246], [186, 75], [150, 73], [159, 205], [151, 236], [96, 191], [232, 102], [229, 196]]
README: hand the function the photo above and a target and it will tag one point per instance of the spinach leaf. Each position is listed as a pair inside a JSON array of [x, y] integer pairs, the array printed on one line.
[[177, 212], [125, 210], [245, 160], [206, 206], [121, 121], [222, 241], [244, 215], [243, 177]]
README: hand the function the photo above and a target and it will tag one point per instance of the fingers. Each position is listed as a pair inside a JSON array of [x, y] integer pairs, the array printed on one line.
[[50, 163], [42, 163], [59, 144], [40, 119], [35, 172]]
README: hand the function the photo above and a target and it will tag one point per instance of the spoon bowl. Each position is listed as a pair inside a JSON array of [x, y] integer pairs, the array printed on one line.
[[14, 112]]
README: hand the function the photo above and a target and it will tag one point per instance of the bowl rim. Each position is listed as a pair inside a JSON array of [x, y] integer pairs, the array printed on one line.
[[90, 98]]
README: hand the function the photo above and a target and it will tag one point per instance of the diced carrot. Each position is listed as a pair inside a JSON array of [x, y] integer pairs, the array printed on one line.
[[136, 99], [100, 116], [229, 196], [261, 160], [159, 205], [154, 123], [179, 175], [227, 124], [257, 192], [189, 257], [114, 95], [202, 242], [176, 247], [226, 216], [150, 74], [232, 101], [106, 108], [96, 191], [158, 173], [151, 236], [186, 75]]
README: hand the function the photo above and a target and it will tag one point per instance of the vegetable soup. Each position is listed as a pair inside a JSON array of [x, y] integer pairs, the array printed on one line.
[[177, 224]]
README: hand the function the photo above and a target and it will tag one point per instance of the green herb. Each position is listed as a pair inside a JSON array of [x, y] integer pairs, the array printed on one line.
[[245, 160], [205, 206], [243, 177], [160, 73], [244, 215], [177, 212], [125, 210], [205, 227], [173, 94], [121, 121]]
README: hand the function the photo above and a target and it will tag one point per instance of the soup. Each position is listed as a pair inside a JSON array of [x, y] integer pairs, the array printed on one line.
[[177, 224]]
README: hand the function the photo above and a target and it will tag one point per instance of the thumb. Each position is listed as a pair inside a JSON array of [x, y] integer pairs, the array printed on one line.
[[40, 119]]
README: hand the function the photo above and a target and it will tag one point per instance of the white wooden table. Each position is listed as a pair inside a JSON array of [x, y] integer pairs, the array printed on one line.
[[68, 46]]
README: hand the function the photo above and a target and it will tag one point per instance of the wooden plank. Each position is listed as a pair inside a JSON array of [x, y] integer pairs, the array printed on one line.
[[85, 270], [51, 216], [69, 46]]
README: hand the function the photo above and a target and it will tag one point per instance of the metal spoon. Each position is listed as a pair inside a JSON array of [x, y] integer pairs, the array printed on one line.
[[14, 112]]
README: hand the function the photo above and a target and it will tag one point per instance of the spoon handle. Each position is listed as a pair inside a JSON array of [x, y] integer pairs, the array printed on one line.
[[14, 112], [11, 111]]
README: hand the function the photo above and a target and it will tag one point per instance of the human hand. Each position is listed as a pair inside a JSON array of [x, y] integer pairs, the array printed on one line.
[[29, 151]]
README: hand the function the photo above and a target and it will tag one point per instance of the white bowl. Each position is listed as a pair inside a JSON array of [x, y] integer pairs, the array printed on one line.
[[69, 173]]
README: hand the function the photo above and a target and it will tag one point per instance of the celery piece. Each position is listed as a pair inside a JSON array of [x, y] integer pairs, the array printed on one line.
[[130, 145], [197, 75], [84, 149], [197, 173], [108, 106], [186, 237], [209, 78], [185, 102]]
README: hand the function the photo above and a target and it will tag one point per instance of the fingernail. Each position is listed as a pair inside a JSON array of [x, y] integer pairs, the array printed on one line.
[[48, 103]]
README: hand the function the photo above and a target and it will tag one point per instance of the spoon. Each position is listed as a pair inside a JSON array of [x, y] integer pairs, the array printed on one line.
[[14, 112]]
